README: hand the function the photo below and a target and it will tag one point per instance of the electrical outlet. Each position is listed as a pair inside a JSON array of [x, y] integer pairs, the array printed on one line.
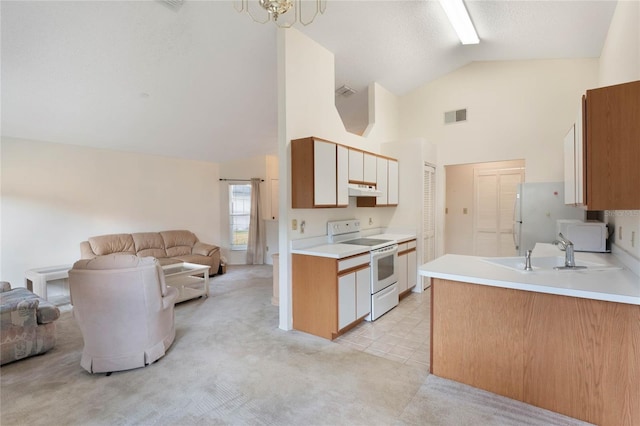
[[619, 233], [294, 225], [465, 210], [370, 221]]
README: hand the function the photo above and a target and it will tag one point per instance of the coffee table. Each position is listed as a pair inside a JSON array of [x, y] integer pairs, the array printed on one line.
[[186, 278]]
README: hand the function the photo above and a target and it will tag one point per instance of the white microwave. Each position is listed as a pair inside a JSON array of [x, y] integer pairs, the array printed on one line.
[[586, 236]]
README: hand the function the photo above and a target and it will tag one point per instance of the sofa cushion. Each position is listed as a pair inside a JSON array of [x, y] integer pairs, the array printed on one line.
[[178, 243], [110, 244], [149, 244]]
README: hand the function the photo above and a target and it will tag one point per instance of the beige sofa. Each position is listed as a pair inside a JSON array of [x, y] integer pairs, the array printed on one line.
[[166, 246], [124, 309]]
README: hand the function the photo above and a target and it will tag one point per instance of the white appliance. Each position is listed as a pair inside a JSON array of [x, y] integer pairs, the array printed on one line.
[[538, 206], [384, 264], [361, 190], [585, 236]]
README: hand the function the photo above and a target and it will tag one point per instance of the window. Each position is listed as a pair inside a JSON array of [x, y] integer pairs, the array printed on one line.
[[239, 215]]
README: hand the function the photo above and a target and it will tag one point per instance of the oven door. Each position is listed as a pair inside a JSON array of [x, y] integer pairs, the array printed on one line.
[[384, 267]]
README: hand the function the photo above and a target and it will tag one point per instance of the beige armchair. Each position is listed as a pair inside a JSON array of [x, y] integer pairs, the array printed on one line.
[[124, 310]]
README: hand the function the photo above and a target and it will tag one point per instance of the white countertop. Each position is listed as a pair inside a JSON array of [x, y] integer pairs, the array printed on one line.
[[341, 250], [336, 251], [613, 285], [398, 238]]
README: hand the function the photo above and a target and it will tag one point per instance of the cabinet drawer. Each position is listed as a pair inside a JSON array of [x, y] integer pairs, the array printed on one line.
[[409, 245], [354, 261]]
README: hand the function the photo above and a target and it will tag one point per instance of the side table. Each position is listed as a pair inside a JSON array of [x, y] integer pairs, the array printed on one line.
[[36, 279]]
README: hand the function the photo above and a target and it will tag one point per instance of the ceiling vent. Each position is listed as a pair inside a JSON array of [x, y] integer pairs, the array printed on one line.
[[345, 91], [455, 116], [173, 4]]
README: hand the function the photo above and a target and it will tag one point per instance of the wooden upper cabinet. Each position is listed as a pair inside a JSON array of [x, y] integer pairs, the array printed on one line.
[[612, 147], [319, 174]]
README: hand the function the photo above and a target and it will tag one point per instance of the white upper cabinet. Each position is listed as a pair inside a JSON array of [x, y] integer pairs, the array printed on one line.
[[370, 165], [321, 171], [362, 166], [324, 173], [392, 182], [342, 176], [570, 167], [319, 174], [381, 181], [356, 165]]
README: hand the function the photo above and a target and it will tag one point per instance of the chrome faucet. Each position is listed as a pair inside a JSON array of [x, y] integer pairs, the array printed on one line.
[[527, 261], [569, 257]]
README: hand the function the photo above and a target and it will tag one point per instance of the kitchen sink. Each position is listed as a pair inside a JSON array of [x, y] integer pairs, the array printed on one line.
[[547, 264]]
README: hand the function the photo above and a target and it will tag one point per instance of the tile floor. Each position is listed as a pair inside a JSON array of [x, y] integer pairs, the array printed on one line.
[[401, 335]]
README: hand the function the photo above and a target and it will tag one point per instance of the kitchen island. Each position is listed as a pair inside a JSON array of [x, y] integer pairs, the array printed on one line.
[[566, 341]]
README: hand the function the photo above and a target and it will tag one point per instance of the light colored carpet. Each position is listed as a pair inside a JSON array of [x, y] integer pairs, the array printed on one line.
[[231, 365]]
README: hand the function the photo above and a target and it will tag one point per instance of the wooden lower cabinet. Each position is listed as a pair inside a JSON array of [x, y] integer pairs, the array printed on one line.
[[330, 296], [577, 357]]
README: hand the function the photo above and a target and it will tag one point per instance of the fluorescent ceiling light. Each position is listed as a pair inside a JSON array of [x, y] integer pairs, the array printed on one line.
[[459, 18]]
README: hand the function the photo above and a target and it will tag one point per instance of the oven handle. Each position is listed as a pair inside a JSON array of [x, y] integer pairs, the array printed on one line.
[[384, 251]]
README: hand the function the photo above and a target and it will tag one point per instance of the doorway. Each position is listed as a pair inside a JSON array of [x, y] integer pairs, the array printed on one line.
[[480, 202]]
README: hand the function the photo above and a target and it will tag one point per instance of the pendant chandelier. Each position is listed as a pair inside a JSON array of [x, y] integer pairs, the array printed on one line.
[[263, 11]]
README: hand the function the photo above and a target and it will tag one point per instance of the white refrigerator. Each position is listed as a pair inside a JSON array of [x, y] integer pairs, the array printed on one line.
[[538, 206]]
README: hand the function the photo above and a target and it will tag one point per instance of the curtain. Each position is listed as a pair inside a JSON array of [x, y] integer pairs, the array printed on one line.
[[255, 244]]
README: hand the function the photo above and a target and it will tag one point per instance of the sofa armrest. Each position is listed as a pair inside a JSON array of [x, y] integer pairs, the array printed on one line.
[[204, 249], [86, 252], [18, 311], [44, 312], [47, 312]]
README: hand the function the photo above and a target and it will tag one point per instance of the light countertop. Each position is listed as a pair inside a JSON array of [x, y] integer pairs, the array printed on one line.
[[341, 250], [617, 284], [336, 251]]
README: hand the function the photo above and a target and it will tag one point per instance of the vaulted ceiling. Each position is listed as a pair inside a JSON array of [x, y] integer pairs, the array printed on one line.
[[199, 81]]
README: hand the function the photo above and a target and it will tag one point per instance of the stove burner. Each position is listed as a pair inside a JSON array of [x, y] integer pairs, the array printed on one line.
[[367, 242]]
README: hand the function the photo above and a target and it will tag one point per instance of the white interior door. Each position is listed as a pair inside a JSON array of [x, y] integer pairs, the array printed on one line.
[[428, 217], [494, 202]]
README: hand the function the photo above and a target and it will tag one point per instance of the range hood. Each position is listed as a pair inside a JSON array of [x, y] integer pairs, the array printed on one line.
[[359, 190]]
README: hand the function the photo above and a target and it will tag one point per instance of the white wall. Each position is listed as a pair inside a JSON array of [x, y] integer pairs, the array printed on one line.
[[620, 63], [54, 196], [515, 110], [307, 108]]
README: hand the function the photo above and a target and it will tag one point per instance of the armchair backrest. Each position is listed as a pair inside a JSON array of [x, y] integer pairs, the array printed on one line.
[[124, 309]]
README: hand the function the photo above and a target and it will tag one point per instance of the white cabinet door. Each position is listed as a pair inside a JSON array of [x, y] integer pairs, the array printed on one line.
[[342, 176], [356, 165], [412, 269], [381, 181], [324, 173], [370, 167], [570, 167], [579, 157], [402, 273], [363, 292], [346, 300], [392, 183]]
